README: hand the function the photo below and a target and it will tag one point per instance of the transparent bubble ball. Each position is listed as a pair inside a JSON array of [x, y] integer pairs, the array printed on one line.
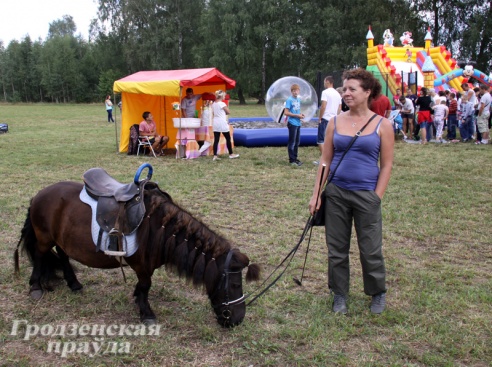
[[279, 92]]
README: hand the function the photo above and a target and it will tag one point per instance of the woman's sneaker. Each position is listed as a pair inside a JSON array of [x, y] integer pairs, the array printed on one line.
[[340, 304], [378, 303], [232, 156]]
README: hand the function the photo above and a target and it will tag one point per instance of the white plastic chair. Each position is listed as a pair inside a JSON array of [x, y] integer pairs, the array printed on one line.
[[144, 143]]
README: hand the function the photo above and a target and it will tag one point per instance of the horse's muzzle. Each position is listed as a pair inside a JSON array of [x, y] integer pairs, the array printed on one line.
[[227, 322]]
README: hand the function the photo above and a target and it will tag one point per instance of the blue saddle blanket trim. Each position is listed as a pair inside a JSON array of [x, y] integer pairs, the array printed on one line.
[[130, 241]]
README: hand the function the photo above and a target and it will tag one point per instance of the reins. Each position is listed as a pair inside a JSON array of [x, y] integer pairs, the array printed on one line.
[[288, 258]]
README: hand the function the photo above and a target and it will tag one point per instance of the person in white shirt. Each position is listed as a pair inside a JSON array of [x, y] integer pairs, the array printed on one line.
[[407, 113], [221, 125], [484, 114], [331, 105], [440, 114]]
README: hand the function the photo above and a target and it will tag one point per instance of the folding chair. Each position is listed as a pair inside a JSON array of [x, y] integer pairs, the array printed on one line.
[[145, 143]]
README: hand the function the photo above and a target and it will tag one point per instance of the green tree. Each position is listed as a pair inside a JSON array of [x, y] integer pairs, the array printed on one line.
[[106, 81], [59, 69], [155, 34], [463, 26], [62, 27], [335, 33], [476, 41], [13, 79], [3, 77], [231, 46]]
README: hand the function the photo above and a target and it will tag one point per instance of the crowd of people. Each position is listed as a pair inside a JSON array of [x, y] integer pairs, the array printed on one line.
[[430, 114], [424, 117], [467, 112]]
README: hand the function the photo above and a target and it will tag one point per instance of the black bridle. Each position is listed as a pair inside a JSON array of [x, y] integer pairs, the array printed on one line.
[[224, 283]]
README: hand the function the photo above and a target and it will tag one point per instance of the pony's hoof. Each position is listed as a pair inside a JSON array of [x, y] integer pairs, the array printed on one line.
[[76, 286], [149, 322], [36, 294]]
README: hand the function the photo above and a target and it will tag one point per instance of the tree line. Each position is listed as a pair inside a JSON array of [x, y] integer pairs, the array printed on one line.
[[254, 42]]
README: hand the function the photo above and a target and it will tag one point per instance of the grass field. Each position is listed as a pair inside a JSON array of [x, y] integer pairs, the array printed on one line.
[[437, 217]]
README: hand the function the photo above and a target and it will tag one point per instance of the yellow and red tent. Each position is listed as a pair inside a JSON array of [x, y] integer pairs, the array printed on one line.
[[157, 90]]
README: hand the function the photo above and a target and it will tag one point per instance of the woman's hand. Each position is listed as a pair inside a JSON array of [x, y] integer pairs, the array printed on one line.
[[314, 204]]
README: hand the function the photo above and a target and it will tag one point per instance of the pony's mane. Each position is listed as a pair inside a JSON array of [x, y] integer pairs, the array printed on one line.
[[174, 238]]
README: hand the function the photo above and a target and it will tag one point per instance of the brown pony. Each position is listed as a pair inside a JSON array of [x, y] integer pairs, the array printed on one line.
[[58, 227]]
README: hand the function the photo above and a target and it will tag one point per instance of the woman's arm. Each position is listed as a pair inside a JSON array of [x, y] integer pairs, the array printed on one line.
[[325, 159], [386, 156]]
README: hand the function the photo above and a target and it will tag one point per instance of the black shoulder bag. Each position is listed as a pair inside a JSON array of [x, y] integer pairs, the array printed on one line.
[[318, 218]]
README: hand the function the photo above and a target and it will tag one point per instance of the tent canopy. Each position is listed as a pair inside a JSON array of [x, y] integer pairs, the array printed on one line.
[[156, 90], [168, 82]]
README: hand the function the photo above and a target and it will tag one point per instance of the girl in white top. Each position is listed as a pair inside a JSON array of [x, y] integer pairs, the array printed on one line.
[[220, 124]]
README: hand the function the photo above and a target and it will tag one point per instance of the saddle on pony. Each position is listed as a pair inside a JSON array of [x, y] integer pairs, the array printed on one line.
[[120, 207]]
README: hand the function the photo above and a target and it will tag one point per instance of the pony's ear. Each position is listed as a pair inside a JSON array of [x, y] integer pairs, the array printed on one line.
[[241, 258], [253, 273]]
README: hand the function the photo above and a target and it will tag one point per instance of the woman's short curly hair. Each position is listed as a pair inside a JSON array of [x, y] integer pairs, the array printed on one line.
[[367, 81]]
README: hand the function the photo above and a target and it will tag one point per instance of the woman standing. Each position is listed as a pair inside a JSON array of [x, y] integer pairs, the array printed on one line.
[[220, 124], [355, 191], [109, 108], [424, 104]]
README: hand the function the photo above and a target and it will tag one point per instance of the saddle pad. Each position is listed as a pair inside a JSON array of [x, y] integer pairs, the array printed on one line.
[[130, 240]]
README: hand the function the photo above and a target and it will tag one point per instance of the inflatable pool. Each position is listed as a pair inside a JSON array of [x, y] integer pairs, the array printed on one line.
[[272, 137], [268, 137]]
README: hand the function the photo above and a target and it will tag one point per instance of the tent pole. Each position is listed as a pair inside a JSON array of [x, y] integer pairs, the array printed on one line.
[[115, 126], [180, 114]]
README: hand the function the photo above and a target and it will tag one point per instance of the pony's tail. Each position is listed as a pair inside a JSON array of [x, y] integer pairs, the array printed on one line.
[[27, 243], [16, 261], [27, 240]]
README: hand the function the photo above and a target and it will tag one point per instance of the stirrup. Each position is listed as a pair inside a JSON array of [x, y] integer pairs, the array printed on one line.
[[115, 253]]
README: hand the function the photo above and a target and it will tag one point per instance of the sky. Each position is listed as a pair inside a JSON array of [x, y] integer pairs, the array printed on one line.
[[21, 17]]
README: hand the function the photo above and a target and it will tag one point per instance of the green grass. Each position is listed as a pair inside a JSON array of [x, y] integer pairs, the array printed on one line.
[[437, 215]]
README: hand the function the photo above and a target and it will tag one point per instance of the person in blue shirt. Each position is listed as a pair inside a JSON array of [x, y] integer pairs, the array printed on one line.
[[293, 113]]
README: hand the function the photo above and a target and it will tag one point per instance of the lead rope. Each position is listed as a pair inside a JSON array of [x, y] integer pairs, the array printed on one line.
[[289, 256]]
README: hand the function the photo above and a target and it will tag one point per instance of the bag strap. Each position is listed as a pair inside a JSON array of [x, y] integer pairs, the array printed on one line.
[[357, 134]]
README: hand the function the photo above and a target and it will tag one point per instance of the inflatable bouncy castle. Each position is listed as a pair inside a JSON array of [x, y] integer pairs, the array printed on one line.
[[407, 66]]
